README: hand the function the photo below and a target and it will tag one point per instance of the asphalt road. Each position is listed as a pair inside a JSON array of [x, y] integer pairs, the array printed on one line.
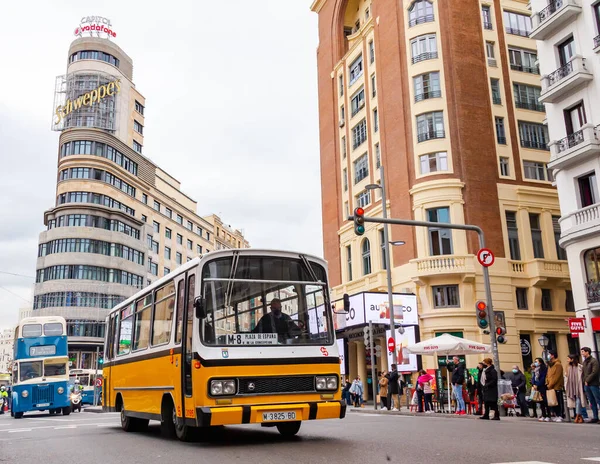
[[360, 438]]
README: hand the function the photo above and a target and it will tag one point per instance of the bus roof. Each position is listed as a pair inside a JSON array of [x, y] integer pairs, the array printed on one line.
[[214, 255], [42, 320]]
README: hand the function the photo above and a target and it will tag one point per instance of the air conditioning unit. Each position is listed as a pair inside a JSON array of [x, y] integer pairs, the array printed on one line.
[[361, 104], [342, 123]]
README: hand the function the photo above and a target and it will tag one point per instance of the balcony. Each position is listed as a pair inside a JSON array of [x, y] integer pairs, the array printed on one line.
[[525, 69], [539, 270], [593, 291], [565, 80], [430, 135], [579, 223], [427, 95], [530, 105], [443, 265], [424, 56], [575, 148], [554, 17]]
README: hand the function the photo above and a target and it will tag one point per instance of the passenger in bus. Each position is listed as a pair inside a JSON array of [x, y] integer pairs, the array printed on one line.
[[278, 322]]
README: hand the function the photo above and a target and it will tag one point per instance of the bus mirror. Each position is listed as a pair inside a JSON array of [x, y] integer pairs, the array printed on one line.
[[346, 308], [200, 309]]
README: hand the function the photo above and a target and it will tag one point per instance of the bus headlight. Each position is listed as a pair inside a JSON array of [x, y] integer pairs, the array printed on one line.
[[229, 387], [222, 387], [60, 390], [24, 393], [326, 383]]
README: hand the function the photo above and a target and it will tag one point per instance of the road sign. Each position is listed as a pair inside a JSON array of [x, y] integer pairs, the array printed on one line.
[[391, 345], [485, 257]]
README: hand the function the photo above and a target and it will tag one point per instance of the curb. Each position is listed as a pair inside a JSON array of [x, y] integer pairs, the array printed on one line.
[[93, 409]]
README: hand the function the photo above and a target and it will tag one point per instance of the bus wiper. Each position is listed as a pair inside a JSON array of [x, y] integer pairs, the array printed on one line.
[[309, 268]]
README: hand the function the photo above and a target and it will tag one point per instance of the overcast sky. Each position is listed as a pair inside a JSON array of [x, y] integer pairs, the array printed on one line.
[[231, 112]]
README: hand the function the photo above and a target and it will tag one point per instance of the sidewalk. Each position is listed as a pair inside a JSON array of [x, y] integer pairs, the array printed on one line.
[[96, 409]]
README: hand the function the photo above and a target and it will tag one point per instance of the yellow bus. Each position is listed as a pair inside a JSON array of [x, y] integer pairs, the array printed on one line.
[[233, 337]]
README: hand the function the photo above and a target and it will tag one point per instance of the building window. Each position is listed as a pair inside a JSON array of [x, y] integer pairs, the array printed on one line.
[[523, 60], [342, 115], [357, 102], [367, 14], [138, 127], [445, 296], [178, 258], [366, 256], [513, 235], [500, 133], [491, 56], [144, 218], [198, 249], [486, 15], [154, 246], [588, 190], [423, 48], [361, 168], [179, 219], [167, 232], [349, 262], [356, 69], [377, 156], [427, 86], [137, 146], [345, 179], [496, 94], [430, 126], [153, 268], [534, 170], [190, 245], [533, 135], [504, 167], [167, 253], [363, 199], [168, 213], [179, 239], [517, 24], [144, 198], [341, 84], [575, 119], [521, 298], [190, 225], [560, 251], [371, 52], [375, 120], [434, 162], [156, 227], [199, 231], [536, 235], [373, 86], [546, 299], [139, 107], [440, 240], [166, 271], [382, 242], [207, 238], [344, 149], [421, 11], [527, 97], [566, 51], [156, 206], [569, 301], [359, 134]]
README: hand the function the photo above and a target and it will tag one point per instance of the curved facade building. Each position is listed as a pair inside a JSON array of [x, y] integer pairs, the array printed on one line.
[[118, 220]]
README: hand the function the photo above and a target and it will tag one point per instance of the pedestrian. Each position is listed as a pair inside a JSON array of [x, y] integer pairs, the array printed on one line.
[[383, 391], [479, 389], [532, 404], [357, 392], [555, 381], [458, 379], [424, 383], [519, 385], [346, 392], [591, 381], [489, 380], [539, 384], [3, 398], [393, 388], [574, 389]]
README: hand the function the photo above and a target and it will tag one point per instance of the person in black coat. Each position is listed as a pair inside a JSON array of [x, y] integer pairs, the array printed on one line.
[[393, 389], [479, 388], [490, 390]]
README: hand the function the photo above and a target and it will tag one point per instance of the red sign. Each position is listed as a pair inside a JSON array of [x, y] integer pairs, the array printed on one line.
[[391, 345], [596, 324], [485, 257], [576, 325], [98, 382]]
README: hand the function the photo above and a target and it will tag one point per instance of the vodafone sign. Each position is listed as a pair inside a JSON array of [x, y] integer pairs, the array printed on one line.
[[95, 25]]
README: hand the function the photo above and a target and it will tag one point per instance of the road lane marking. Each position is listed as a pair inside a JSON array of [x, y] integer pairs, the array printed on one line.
[[65, 427], [591, 459], [18, 430], [524, 462]]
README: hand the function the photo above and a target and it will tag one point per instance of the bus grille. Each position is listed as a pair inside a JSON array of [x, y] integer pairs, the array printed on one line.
[[264, 385], [42, 394]]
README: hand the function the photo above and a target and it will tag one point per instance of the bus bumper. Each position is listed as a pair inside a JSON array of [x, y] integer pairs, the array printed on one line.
[[253, 414]]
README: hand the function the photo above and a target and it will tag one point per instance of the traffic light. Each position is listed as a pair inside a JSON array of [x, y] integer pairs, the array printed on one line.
[[367, 337], [483, 317], [359, 221], [500, 334]]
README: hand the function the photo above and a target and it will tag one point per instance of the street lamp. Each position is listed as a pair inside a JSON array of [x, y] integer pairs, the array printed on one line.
[[386, 246], [543, 341]]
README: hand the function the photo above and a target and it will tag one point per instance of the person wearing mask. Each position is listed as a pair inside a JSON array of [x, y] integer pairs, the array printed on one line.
[[489, 380], [519, 385], [539, 384], [555, 381], [591, 380], [424, 383], [393, 388], [356, 390], [479, 389], [458, 379], [383, 391], [574, 389]]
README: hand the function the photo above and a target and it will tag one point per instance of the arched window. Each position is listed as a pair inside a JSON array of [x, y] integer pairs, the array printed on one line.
[[366, 256], [591, 259], [420, 12]]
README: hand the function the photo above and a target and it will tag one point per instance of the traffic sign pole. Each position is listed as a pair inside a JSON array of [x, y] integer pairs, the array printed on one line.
[[374, 381]]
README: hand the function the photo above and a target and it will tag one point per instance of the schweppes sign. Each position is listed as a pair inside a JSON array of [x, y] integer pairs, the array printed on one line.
[[87, 99]]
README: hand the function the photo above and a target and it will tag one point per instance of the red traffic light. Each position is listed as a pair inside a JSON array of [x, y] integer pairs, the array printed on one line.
[[482, 314], [500, 331], [359, 212], [481, 306]]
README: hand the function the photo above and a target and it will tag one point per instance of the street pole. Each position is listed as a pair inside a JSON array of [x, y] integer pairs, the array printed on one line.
[[374, 382], [96, 376], [388, 266], [486, 275]]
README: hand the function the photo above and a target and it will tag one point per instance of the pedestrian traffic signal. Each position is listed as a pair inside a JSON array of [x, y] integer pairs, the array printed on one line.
[[483, 318], [500, 334], [367, 336], [359, 221]]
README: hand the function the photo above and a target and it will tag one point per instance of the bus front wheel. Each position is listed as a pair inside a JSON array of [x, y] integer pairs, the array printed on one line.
[[66, 410], [288, 429], [18, 415]]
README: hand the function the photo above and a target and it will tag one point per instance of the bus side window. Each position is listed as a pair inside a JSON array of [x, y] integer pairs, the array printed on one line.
[[180, 311]]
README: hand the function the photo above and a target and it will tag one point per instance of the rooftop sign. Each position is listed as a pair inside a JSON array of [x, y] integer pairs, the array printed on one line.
[[98, 25]]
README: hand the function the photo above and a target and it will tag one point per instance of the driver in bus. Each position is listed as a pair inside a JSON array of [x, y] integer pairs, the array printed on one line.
[[278, 322]]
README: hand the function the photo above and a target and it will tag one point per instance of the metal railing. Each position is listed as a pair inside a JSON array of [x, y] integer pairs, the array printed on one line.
[[559, 74], [501, 140], [427, 95], [492, 62], [553, 7], [421, 20], [430, 135], [597, 41], [496, 100], [488, 25], [570, 141], [360, 175], [521, 32], [534, 144], [424, 56], [593, 291], [528, 105], [527, 69]]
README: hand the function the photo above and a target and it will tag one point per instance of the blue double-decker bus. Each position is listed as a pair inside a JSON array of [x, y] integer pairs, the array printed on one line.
[[41, 367]]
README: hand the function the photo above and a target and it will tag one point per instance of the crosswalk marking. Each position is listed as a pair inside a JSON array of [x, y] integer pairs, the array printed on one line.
[[65, 427]]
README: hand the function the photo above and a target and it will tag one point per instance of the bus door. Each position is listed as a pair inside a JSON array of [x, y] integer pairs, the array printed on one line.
[[109, 353], [184, 334]]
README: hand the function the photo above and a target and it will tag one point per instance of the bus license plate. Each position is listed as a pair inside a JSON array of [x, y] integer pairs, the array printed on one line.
[[41, 405], [279, 416]]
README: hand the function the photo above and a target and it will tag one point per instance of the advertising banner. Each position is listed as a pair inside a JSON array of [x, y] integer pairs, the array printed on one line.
[[406, 362], [374, 307], [342, 352]]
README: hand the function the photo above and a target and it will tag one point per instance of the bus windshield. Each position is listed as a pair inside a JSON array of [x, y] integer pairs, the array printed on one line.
[[265, 301]]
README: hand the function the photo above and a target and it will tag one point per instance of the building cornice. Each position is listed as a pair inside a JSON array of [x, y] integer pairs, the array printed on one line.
[[317, 6]]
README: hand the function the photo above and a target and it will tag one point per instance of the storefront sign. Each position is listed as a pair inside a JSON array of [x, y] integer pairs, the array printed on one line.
[[95, 25], [87, 99], [595, 324], [576, 325], [525, 347]]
